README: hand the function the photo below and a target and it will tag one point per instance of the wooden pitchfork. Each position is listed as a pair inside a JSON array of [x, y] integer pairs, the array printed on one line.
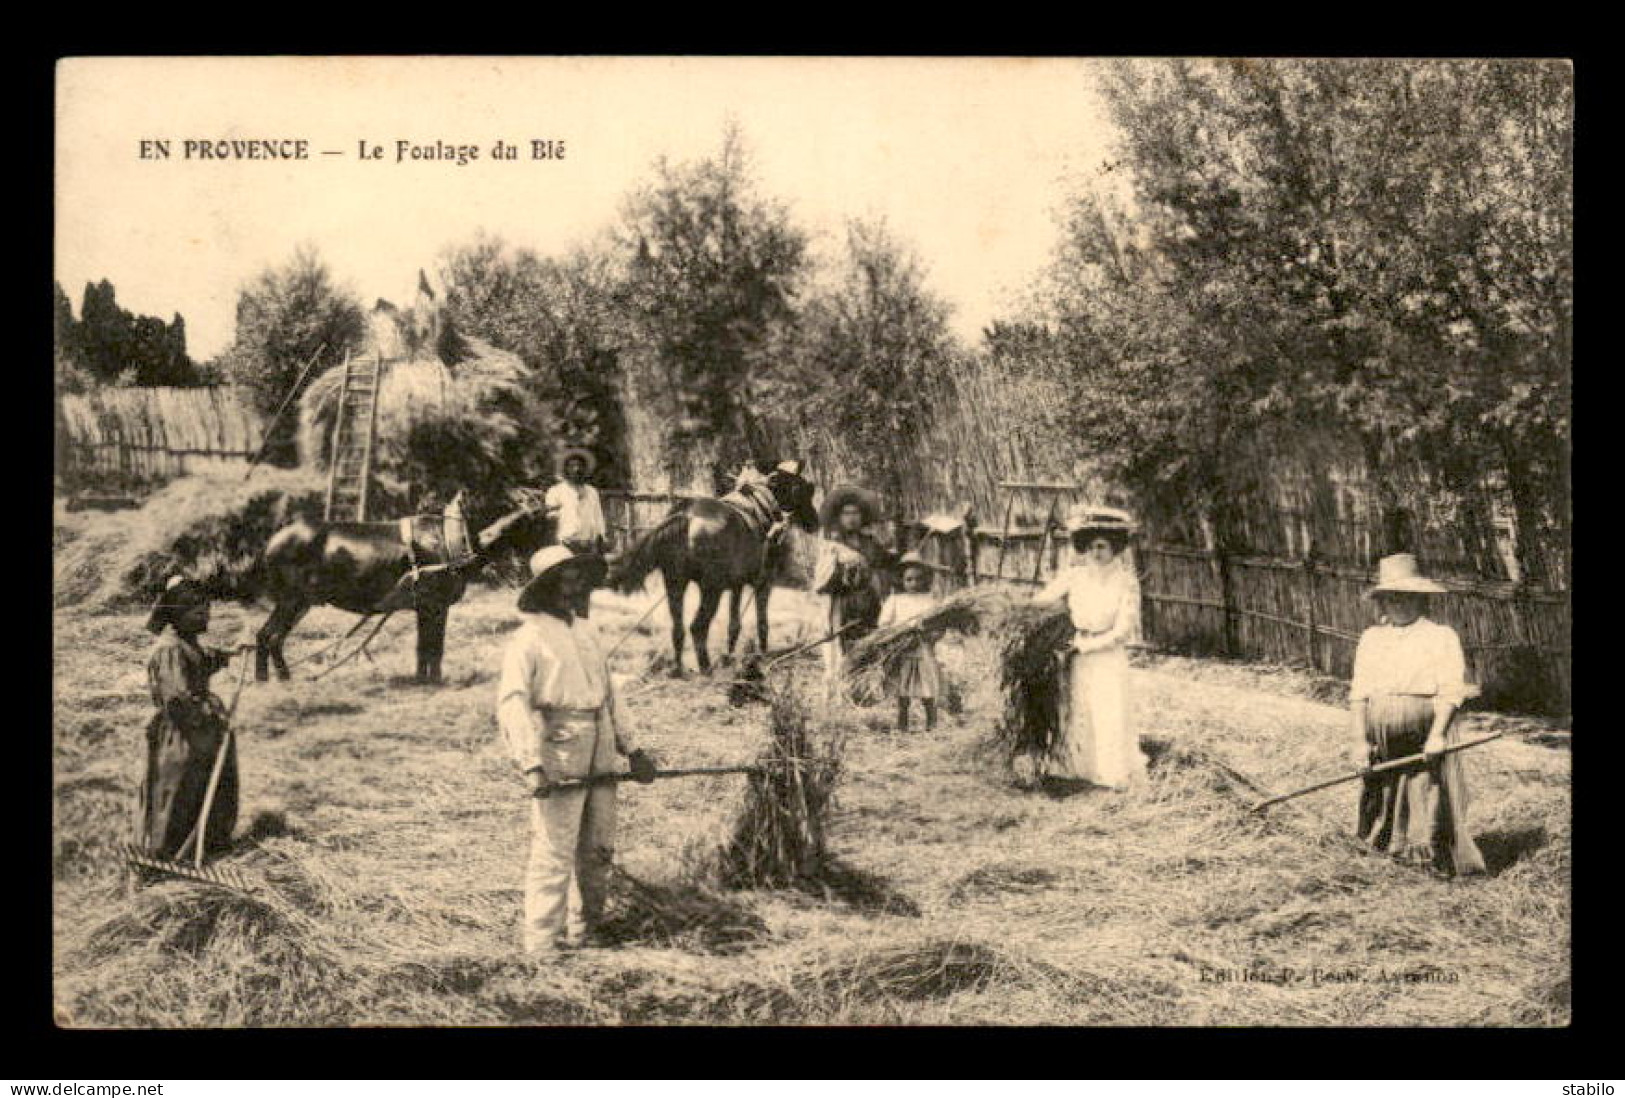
[[1381, 768], [675, 772], [198, 839]]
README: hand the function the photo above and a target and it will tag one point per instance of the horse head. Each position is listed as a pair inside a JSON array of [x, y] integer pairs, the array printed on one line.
[[522, 530], [794, 495]]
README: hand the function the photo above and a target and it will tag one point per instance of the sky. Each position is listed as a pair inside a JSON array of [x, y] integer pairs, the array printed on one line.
[[964, 158]]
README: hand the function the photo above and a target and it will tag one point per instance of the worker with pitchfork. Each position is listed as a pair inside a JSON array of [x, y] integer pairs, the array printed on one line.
[[1410, 678], [562, 721]]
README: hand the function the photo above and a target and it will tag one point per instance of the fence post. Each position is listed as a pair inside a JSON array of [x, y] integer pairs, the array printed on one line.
[[1232, 646], [1312, 586]]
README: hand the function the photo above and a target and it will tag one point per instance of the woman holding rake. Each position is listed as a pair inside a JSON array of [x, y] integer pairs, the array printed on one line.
[[1409, 681], [185, 734]]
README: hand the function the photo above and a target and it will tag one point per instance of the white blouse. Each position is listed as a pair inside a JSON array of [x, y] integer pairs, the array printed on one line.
[[1423, 658], [1104, 600], [580, 514]]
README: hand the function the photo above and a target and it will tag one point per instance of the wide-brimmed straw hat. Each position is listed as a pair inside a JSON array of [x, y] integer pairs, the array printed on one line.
[[179, 593], [545, 565], [912, 559], [791, 467], [849, 495], [1398, 574], [565, 453], [1090, 519]]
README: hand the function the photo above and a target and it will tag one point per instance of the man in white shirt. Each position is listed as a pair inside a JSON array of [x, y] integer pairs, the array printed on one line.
[[574, 505], [562, 722]]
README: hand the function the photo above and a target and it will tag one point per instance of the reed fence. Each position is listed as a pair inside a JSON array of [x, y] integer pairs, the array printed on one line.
[[133, 439]]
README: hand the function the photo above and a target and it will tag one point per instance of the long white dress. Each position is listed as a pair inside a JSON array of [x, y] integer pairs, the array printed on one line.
[[1100, 745]]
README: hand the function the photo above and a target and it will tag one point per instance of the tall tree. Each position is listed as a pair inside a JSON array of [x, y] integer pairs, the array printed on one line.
[[873, 346], [1382, 246], [287, 317], [714, 272]]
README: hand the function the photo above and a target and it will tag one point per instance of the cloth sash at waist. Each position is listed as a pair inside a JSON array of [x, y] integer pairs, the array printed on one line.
[[568, 715], [1398, 724]]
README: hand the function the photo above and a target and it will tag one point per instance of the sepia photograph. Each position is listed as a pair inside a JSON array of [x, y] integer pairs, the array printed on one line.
[[745, 541]]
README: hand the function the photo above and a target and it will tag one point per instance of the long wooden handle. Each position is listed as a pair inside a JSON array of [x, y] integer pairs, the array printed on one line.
[[200, 830], [626, 776], [1380, 768]]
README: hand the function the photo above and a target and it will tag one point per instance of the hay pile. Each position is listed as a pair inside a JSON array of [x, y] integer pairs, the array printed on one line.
[[689, 915], [779, 838], [473, 425], [210, 527]]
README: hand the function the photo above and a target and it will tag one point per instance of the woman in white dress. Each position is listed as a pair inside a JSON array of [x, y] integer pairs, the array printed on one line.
[[1103, 595]]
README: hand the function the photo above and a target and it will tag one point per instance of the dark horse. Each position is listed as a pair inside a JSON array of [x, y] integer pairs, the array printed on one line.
[[723, 545], [420, 564]]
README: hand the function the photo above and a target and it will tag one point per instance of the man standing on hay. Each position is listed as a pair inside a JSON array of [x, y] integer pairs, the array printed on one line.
[[1409, 680], [851, 570], [562, 721], [1097, 741], [574, 505]]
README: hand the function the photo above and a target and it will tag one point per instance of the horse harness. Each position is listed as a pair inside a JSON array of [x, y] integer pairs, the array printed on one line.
[[756, 504], [421, 550]]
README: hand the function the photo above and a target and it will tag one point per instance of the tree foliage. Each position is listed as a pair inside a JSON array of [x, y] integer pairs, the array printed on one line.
[[560, 316], [714, 272], [871, 352], [287, 317], [108, 344], [1380, 245]]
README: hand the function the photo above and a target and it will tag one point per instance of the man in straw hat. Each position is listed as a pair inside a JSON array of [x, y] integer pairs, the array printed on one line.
[[562, 721], [574, 505], [851, 569], [1098, 742], [1410, 678]]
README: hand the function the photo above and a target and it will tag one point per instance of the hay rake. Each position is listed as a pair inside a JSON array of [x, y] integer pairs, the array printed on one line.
[[197, 841], [1405, 763]]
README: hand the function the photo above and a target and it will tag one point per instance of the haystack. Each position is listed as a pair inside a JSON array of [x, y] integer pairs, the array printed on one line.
[[471, 425], [779, 839]]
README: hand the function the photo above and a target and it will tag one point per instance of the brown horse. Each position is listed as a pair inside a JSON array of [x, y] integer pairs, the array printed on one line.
[[420, 564], [722, 544]]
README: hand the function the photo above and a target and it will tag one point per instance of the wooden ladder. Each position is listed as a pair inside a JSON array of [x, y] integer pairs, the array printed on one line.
[[349, 467]]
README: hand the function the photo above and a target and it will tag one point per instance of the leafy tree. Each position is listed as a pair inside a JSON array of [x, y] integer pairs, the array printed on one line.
[[113, 345], [563, 318], [873, 347], [288, 316], [714, 272], [1379, 245]]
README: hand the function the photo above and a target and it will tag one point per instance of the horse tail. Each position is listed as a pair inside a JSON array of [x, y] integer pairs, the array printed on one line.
[[650, 552]]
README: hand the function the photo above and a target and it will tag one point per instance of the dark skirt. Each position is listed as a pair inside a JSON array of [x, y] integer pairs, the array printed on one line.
[[1418, 814], [170, 801]]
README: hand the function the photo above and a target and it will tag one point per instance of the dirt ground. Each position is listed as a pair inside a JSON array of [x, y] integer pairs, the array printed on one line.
[[391, 828]]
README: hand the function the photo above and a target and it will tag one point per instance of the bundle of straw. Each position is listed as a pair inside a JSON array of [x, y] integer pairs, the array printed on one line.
[[1030, 676], [878, 657], [779, 840]]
